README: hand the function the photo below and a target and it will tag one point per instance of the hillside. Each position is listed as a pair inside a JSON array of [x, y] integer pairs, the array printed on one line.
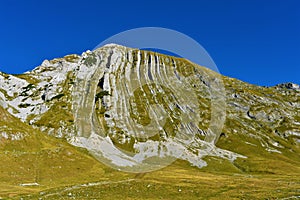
[[78, 126]]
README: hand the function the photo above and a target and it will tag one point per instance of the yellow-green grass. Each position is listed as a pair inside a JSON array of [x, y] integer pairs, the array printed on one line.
[[179, 181]]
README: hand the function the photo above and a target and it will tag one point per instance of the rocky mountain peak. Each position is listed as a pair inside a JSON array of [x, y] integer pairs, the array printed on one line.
[[137, 100], [139, 111]]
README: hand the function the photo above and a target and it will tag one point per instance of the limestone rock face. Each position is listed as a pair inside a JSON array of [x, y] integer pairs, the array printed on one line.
[[291, 86], [140, 110]]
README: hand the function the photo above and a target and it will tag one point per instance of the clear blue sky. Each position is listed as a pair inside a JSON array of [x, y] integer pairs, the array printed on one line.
[[257, 41]]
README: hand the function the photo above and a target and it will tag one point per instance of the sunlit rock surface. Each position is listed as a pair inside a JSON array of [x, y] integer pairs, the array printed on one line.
[[128, 106]]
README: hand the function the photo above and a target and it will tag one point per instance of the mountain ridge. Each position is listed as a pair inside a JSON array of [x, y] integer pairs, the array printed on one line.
[[262, 124]]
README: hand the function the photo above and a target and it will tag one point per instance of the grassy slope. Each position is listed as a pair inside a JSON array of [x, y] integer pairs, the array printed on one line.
[[40, 158], [57, 167], [181, 181], [61, 169]]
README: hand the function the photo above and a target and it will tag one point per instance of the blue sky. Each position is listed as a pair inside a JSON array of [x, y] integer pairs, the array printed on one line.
[[257, 41]]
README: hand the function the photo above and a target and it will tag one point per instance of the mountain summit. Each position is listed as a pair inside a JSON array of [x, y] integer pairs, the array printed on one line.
[[139, 111]]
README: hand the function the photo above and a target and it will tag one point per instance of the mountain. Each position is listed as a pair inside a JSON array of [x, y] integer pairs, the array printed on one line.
[[124, 123]]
